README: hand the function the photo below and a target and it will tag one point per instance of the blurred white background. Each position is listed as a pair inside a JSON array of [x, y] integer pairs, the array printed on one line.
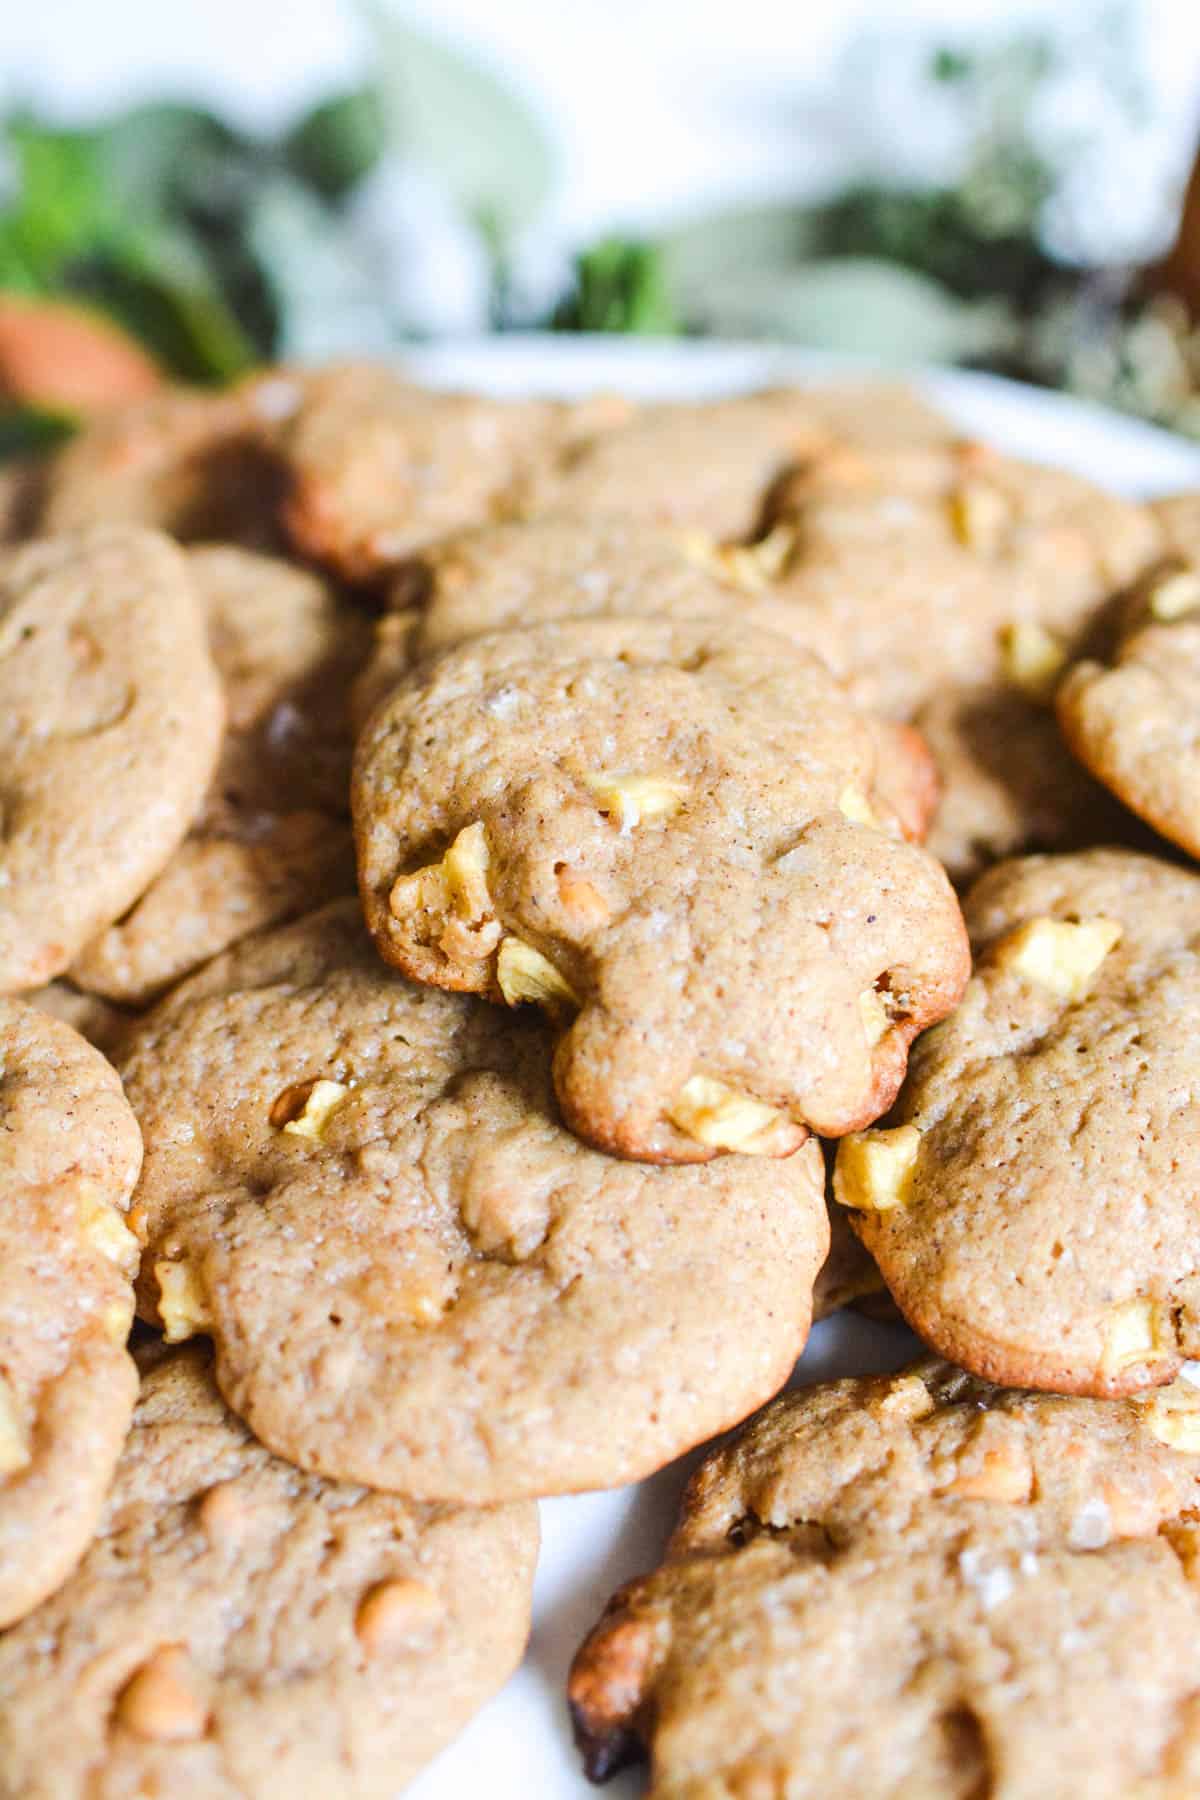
[[657, 107]]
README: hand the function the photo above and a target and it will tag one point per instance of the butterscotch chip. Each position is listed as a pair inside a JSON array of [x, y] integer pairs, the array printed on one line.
[[392, 1614], [291, 1655], [110, 720], [272, 838], [441, 1290], [747, 914], [69, 1156], [1049, 1230], [873, 1591], [160, 1701], [1132, 719]]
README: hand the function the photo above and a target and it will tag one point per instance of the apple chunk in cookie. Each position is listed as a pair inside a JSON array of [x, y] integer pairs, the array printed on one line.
[[1033, 1200], [674, 836]]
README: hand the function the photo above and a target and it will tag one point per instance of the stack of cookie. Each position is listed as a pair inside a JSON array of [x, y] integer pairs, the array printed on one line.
[[460, 860]]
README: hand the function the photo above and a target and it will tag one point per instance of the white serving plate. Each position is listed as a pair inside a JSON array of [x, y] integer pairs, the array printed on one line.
[[519, 1747]]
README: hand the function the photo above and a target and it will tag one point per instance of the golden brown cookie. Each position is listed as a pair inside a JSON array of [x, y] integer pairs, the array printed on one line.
[[1134, 718], [951, 585], [672, 835], [110, 723], [502, 577], [69, 1156], [1033, 1201], [239, 1630], [918, 1585], [415, 1277], [378, 467], [192, 462], [272, 839], [714, 465]]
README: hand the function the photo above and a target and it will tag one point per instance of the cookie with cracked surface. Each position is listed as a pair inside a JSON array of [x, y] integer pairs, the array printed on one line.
[[272, 839], [954, 584], [1033, 1201], [238, 1629], [69, 1156], [672, 835], [415, 1277], [503, 577], [110, 723], [918, 1584], [189, 461], [1134, 718], [377, 467]]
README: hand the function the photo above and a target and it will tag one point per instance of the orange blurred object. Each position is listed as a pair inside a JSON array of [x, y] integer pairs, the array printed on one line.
[[61, 357]]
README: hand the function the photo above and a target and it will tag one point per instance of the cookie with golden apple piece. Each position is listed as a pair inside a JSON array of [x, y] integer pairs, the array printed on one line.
[[110, 723], [504, 577], [239, 1630], [1132, 715], [69, 1156], [415, 1277], [956, 584], [918, 1584], [673, 836], [272, 839], [1033, 1200]]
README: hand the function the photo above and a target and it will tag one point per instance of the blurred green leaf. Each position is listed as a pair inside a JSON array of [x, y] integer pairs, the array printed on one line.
[[339, 142], [25, 430], [458, 120], [620, 285], [183, 321], [858, 304], [324, 295]]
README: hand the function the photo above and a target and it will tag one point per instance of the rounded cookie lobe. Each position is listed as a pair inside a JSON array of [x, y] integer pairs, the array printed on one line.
[[1033, 1200], [916, 1584], [378, 467], [272, 839], [69, 1156], [238, 1629], [503, 577], [415, 1277], [673, 835], [110, 723], [192, 462], [1134, 720]]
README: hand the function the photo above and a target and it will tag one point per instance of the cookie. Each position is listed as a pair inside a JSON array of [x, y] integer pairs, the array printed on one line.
[[502, 577], [69, 1156], [101, 1023], [20, 498], [1033, 1201], [272, 839], [110, 723], [848, 1272], [951, 586], [1005, 781], [918, 1585], [714, 465], [1134, 719], [378, 467], [672, 835], [240, 1630], [415, 1277], [195, 463]]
